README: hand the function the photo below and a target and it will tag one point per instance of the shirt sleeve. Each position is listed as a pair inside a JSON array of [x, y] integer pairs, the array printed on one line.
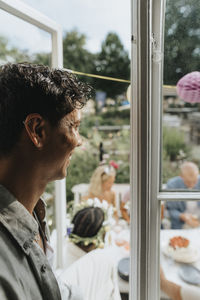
[[170, 185], [190, 293], [174, 213], [69, 292]]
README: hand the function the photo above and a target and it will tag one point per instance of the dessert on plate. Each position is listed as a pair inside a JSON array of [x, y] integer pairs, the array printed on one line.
[[180, 249], [178, 242]]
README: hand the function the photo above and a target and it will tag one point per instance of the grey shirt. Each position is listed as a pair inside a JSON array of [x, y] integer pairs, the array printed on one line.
[[25, 273]]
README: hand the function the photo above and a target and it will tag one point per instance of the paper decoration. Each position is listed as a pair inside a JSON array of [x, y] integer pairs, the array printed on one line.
[[188, 87]]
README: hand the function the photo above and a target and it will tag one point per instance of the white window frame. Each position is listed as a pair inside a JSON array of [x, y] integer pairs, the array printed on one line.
[[146, 80], [32, 16]]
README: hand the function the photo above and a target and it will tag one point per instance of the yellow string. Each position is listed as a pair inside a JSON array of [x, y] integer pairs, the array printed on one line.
[[98, 76], [109, 78]]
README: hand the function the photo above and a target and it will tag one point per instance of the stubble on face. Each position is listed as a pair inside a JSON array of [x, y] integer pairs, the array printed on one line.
[[70, 138], [71, 123]]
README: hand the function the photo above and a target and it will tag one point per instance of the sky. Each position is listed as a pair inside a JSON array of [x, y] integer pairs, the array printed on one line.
[[95, 18]]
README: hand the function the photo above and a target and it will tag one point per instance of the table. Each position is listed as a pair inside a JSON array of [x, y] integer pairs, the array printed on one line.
[[170, 267]]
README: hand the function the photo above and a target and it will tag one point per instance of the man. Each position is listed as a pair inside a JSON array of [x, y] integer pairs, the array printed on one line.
[[189, 179], [39, 121]]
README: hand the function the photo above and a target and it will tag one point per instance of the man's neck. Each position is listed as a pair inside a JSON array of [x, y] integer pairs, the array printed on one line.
[[26, 185]]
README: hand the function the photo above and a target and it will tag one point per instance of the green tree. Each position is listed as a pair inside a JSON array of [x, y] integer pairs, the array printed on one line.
[[112, 61], [11, 54], [42, 58], [182, 39], [75, 55], [82, 163], [3, 49]]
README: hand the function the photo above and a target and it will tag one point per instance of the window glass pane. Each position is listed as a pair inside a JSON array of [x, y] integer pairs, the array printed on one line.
[[181, 110], [180, 249], [105, 131], [21, 41]]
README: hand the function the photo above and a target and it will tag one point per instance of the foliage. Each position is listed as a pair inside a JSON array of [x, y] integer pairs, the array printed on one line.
[[76, 56], [123, 115], [42, 58], [112, 61], [87, 124], [111, 117], [50, 188], [123, 173], [11, 54], [169, 169], [82, 165], [119, 150], [182, 39], [174, 144]]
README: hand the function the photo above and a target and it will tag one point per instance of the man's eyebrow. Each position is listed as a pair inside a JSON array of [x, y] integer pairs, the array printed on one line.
[[74, 123]]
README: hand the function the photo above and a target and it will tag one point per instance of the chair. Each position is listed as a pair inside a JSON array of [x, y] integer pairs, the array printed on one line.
[[81, 189]]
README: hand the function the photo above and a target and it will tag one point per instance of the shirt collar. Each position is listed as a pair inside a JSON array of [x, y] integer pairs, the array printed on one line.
[[75, 250], [17, 220]]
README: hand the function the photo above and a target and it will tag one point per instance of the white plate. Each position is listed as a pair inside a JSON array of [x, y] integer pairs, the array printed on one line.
[[184, 255], [189, 274]]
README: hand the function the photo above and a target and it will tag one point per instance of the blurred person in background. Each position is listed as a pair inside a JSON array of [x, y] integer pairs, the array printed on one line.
[[101, 184], [85, 247], [87, 232], [177, 292], [181, 213]]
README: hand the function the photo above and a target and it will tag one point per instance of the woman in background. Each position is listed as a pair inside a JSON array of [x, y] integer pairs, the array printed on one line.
[[101, 184], [88, 265], [87, 233]]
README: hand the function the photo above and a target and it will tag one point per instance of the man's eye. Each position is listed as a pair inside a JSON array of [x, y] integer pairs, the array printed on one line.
[[77, 126]]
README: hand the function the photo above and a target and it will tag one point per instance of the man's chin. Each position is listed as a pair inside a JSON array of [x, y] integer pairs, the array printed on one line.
[[62, 175]]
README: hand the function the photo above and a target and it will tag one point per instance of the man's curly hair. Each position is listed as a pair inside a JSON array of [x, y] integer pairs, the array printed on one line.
[[29, 88]]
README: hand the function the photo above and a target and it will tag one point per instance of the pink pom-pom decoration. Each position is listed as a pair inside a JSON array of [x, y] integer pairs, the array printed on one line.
[[188, 87]]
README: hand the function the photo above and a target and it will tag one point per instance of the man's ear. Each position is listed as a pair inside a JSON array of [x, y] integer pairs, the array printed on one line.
[[36, 129]]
